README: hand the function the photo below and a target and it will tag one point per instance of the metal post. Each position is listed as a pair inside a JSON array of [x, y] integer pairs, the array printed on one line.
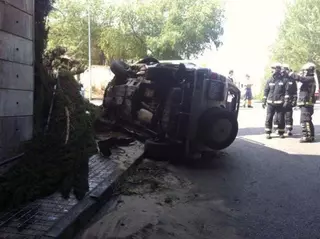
[[89, 51]]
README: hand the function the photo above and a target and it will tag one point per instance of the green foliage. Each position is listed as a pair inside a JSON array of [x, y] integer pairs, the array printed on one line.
[[298, 40], [50, 163], [68, 27], [132, 29]]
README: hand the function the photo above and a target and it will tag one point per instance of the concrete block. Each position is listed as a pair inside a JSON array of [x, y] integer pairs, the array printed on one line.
[[14, 21], [14, 130], [16, 49], [16, 103], [24, 5], [16, 76]]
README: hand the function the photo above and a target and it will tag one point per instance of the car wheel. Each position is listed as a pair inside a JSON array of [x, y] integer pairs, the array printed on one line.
[[119, 68], [218, 128]]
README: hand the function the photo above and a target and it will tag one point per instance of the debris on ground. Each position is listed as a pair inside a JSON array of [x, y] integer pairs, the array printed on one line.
[[159, 202]]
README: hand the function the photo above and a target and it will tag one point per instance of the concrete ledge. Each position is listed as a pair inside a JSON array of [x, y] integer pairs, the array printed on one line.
[[69, 225]]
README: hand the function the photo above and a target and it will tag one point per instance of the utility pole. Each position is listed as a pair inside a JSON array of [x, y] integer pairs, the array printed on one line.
[[89, 51]]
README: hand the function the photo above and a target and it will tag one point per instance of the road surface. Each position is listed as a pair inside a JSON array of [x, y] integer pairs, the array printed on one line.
[[256, 188]]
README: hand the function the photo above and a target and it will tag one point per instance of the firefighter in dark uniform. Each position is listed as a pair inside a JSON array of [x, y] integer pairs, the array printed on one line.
[[306, 100], [274, 96], [291, 88], [290, 99]]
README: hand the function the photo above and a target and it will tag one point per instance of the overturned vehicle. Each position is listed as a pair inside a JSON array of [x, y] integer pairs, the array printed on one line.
[[172, 105]]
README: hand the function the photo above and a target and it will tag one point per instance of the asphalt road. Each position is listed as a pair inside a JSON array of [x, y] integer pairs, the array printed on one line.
[[273, 186], [256, 188]]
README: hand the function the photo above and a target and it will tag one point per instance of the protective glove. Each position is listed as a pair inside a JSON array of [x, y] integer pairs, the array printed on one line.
[[264, 103], [294, 103]]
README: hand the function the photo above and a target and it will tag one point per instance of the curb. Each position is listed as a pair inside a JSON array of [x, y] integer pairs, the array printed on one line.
[[69, 225]]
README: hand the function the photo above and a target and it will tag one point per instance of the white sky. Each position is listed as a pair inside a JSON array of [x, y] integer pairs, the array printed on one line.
[[251, 27]]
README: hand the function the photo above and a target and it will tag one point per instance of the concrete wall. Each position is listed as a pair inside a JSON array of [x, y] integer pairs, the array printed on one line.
[[16, 74]]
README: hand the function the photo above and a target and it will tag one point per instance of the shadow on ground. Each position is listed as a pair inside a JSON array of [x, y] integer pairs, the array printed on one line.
[[260, 130]]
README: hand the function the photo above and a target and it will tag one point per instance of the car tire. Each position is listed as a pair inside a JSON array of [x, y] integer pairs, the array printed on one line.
[[218, 128], [119, 68], [162, 151]]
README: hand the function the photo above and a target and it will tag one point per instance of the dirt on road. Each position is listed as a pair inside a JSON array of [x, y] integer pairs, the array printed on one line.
[[159, 202]]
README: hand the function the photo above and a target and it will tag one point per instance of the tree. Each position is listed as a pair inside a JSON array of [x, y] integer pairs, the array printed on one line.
[[166, 29], [298, 40], [133, 29], [68, 27]]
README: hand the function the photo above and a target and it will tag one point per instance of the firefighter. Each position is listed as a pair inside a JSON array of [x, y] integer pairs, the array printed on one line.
[[306, 100], [274, 96], [291, 96], [248, 92]]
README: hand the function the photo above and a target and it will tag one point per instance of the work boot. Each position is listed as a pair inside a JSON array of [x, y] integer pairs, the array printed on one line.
[[268, 136], [312, 139], [250, 106], [305, 139], [289, 133], [281, 136]]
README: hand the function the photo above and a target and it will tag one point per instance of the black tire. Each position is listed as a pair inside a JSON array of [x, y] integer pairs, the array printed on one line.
[[218, 128], [162, 151], [119, 68]]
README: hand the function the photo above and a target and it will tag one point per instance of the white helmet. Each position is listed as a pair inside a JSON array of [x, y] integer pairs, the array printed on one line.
[[309, 66], [276, 68], [276, 65]]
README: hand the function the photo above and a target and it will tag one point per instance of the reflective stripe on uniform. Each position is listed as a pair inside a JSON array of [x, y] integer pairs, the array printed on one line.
[[305, 103], [288, 126], [264, 97], [275, 102], [287, 96], [275, 125], [281, 130], [267, 129]]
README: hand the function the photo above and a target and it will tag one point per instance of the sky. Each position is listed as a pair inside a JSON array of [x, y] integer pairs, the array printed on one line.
[[251, 27]]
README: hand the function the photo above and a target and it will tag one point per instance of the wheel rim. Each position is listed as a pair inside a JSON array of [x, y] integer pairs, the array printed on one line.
[[221, 130]]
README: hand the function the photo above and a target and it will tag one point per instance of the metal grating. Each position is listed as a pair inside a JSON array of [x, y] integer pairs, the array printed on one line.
[[36, 218]]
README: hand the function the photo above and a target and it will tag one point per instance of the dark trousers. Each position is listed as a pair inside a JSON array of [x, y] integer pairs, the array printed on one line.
[[288, 119], [271, 111], [306, 121]]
